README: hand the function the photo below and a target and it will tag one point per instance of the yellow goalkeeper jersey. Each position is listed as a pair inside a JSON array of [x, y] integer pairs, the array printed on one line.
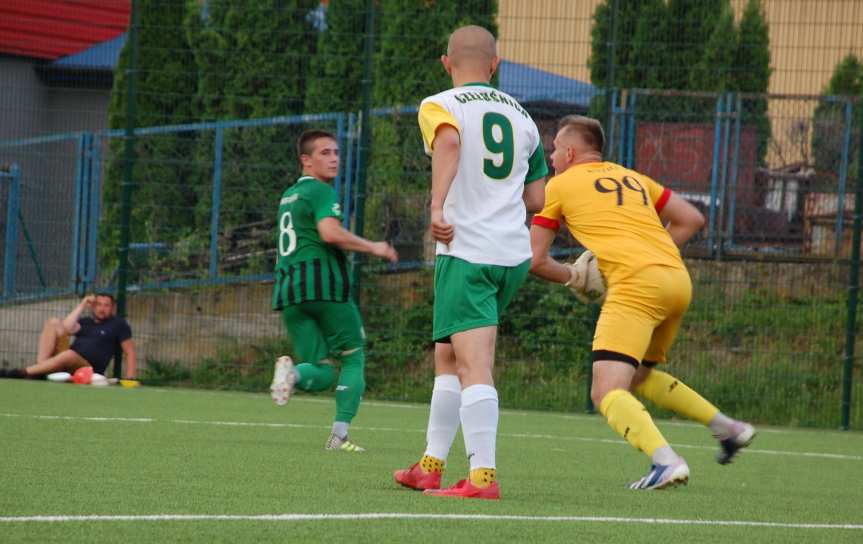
[[613, 212]]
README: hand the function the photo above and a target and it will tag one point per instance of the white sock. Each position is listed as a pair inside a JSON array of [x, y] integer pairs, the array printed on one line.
[[443, 415], [340, 429], [664, 456], [479, 414], [721, 425]]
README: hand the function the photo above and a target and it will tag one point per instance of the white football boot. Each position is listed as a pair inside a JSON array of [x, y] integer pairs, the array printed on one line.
[[284, 379]]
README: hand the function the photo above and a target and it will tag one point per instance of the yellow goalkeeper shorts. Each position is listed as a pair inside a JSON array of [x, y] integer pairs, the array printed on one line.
[[641, 316]]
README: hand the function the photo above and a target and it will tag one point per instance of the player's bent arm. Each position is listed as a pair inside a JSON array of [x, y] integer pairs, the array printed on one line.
[[70, 322], [541, 263], [534, 196], [683, 219], [332, 232], [131, 367]]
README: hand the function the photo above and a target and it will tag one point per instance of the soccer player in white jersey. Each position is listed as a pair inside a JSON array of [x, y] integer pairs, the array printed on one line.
[[488, 170]]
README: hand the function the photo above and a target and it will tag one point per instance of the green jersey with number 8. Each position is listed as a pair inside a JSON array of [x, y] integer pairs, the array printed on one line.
[[308, 269]]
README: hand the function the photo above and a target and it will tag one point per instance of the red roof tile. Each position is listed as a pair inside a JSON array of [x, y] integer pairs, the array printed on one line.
[[50, 29]]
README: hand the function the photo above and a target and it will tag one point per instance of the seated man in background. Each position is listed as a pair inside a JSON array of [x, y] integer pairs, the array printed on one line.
[[96, 341]]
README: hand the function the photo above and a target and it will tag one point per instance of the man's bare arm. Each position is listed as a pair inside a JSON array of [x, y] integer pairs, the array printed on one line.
[[445, 158], [534, 196], [70, 322], [541, 263], [683, 219], [131, 356], [332, 232]]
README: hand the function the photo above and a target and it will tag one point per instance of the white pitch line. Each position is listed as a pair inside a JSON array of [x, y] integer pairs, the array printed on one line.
[[248, 424], [410, 516], [530, 436], [687, 446], [84, 418], [424, 406]]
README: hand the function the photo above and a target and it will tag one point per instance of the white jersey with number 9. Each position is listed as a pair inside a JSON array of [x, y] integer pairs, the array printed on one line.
[[501, 151]]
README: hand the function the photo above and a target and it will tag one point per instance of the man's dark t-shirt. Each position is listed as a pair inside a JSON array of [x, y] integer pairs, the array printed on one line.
[[97, 342]]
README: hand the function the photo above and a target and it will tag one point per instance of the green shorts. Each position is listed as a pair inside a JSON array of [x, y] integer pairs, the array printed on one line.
[[468, 296], [322, 329]]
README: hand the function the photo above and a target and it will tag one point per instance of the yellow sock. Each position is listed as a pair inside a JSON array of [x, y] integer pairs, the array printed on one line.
[[672, 394], [630, 419], [483, 477], [431, 464]]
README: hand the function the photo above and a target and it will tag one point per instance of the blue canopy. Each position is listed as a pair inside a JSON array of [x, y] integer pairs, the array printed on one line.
[[528, 84], [102, 56], [524, 83]]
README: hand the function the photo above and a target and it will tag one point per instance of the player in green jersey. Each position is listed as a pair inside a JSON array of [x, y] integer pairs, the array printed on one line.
[[312, 288]]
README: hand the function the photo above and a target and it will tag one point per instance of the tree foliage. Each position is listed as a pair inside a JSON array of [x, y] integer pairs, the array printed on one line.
[[751, 71], [336, 70], [252, 61], [684, 45], [830, 123], [713, 70], [162, 189], [690, 25], [413, 36]]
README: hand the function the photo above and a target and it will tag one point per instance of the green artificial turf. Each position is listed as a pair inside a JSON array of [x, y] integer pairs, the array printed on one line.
[[221, 453]]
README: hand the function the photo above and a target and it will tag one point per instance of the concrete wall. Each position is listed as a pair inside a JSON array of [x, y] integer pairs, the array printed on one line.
[[175, 326], [189, 325], [29, 108]]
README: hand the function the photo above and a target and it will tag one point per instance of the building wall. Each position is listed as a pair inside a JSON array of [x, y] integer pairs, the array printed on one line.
[[29, 109], [22, 99], [808, 38]]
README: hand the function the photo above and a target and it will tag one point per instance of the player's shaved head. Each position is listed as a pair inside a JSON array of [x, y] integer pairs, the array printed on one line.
[[471, 46], [588, 128]]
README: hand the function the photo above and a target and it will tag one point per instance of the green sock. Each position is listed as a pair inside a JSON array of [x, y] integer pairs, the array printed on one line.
[[315, 377], [352, 384]]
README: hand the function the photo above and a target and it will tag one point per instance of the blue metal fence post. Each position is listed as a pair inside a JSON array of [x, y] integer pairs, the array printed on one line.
[[87, 192], [216, 204], [342, 141], [723, 175], [77, 219], [86, 208], [622, 116], [630, 131], [612, 123], [714, 175], [843, 175], [349, 170], [735, 163], [10, 253], [95, 197]]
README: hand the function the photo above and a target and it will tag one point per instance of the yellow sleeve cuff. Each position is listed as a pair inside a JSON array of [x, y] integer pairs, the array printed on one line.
[[431, 117]]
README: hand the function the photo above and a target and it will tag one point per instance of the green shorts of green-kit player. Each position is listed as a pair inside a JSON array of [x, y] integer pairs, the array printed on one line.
[[321, 332], [469, 296]]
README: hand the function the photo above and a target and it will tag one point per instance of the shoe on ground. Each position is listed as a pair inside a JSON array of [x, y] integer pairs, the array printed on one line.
[[464, 489], [14, 373], [744, 434], [416, 478], [337, 443], [664, 476], [283, 381]]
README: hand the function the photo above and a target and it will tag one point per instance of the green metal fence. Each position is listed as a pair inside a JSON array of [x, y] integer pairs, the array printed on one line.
[[771, 334]]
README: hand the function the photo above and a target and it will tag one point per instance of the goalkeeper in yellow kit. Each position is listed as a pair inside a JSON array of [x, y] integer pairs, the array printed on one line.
[[619, 214]]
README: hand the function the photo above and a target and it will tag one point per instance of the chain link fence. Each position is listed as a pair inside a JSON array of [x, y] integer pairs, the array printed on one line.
[[222, 95]]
